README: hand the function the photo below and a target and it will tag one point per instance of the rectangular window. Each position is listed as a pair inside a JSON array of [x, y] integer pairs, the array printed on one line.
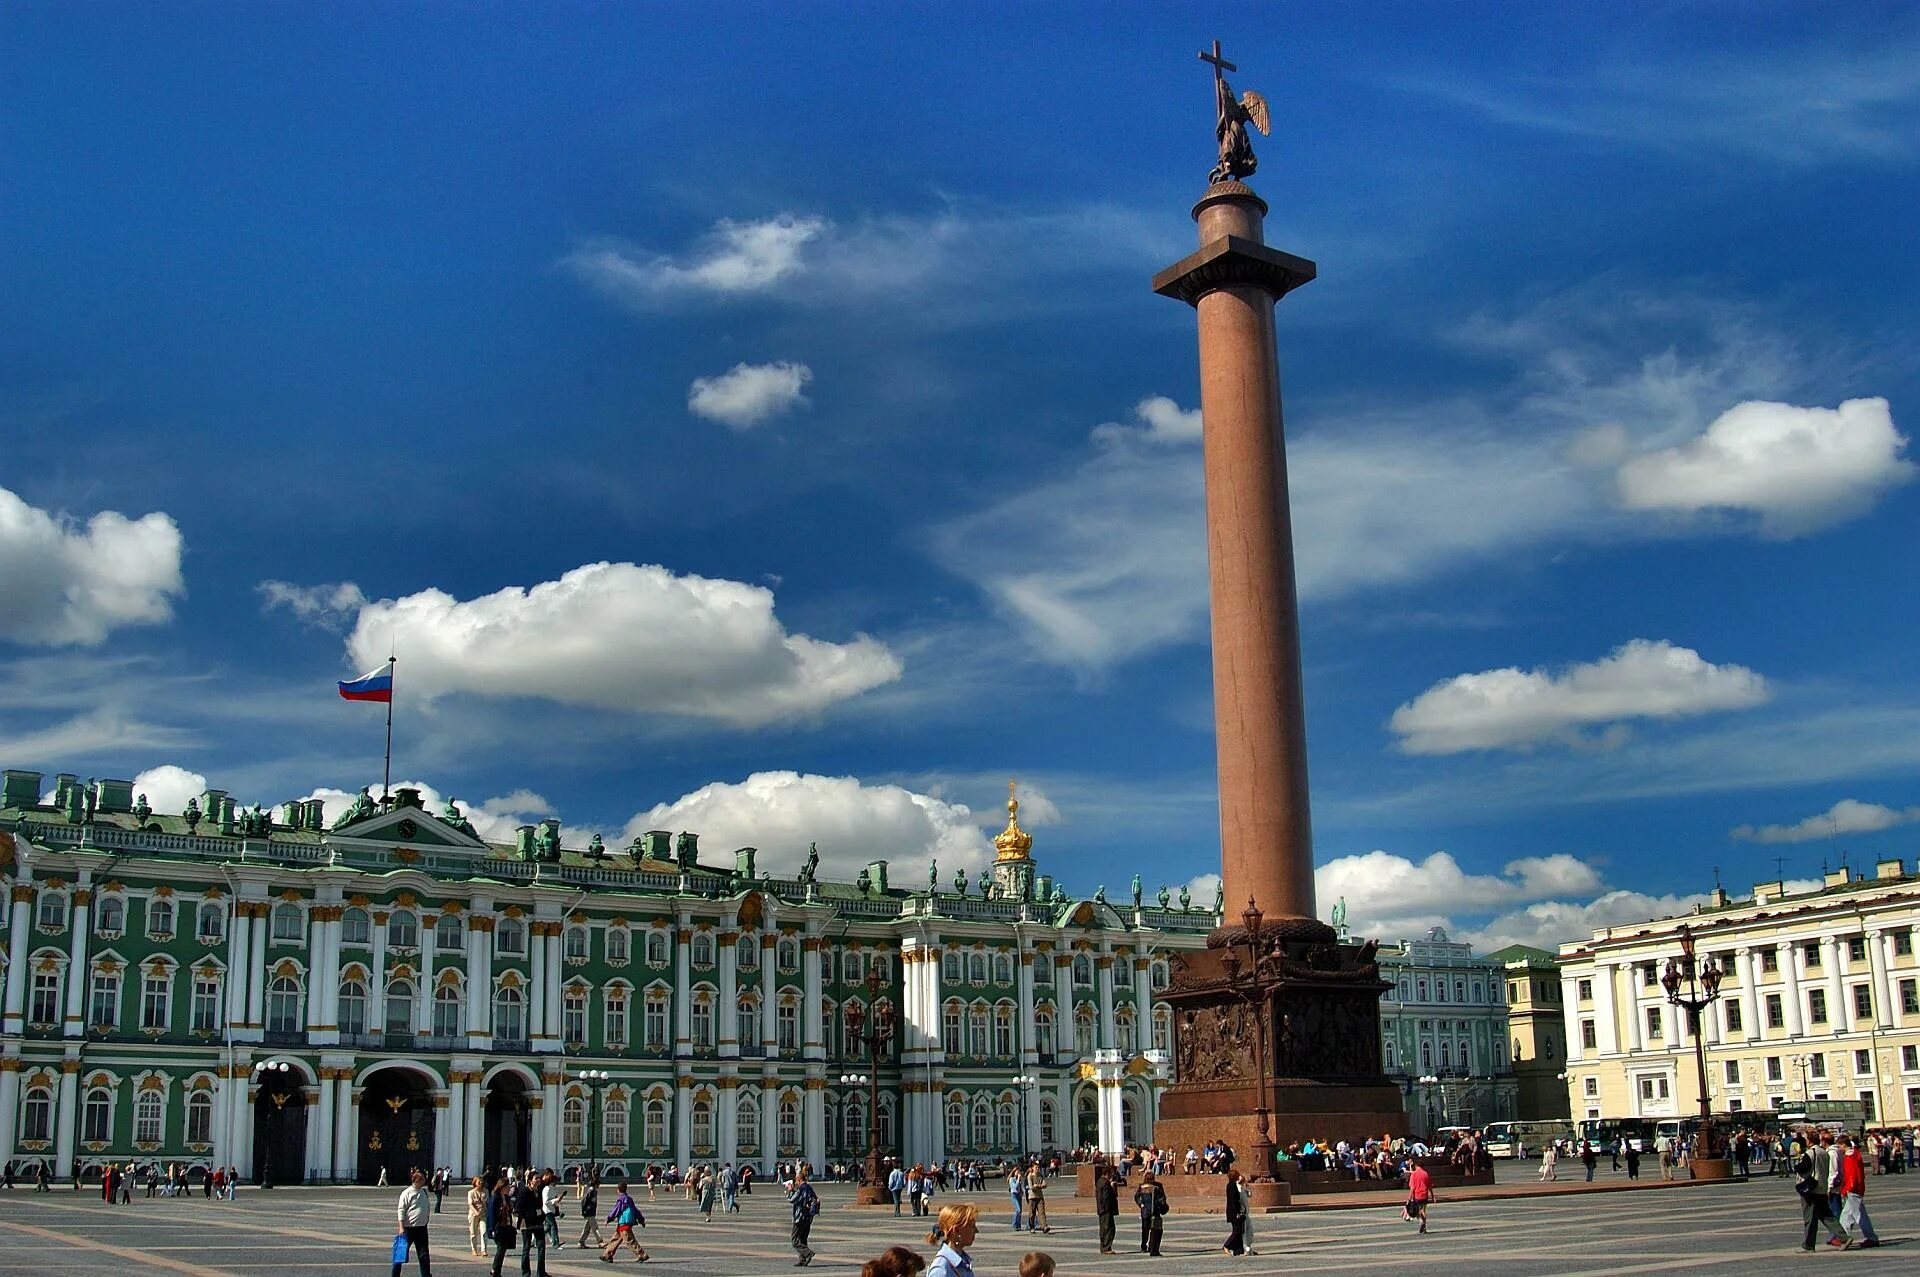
[[1653, 1022], [1909, 998], [153, 1002], [206, 1005], [1591, 1088], [1776, 1012], [1773, 1070], [1913, 1102], [104, 1007], [1856, 948], [1816, 1006], [786, 1023], [1586, 990], [1903, 944], [573, 1018], [46, 997], [1817, 1065], [1588, 1039], [1910, 1058], [1811, 952], [1735, 1022], [1867, 1103], [1650, 974], [616, 1024], [656, 1024], [1770, 960], [1733, 1072], [1862, 1063], [1862, 1002]]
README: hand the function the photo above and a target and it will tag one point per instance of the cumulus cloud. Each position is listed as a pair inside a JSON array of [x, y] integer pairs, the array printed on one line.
[[1549, 924], [748, 394], [168, 787], [330, 606], [1518, 709], [782, 812], [495, 819], [64, 582], [623, 637], [1157, 419], [737, 258], [1395, 897], [1848, 816], [1797, 469]]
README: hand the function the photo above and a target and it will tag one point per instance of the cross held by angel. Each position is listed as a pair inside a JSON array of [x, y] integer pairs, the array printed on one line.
[[1234, 114]]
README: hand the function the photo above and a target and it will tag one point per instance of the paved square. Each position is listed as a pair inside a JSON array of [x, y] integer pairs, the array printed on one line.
[[286, 1232]]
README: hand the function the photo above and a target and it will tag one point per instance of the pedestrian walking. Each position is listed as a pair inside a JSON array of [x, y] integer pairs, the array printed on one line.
[[529, 1217], [805, 1204], [1151, 1198], [1550, 1161], [1810, 1183], [1589, 1157], [625, 1217], [499, 1221], [897, 1187], [1017, 1192], [590, 1214], [953, 1233], [1037, 1201], [477, 1218], [412, 1214], [730, 1189], [1106, 1206], [1854, 1219], [1419, 1194], [709, 1193], [551, 1191], [1236, 1243]]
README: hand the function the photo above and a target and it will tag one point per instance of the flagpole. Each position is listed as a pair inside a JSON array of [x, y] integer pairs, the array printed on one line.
[[386, 777]]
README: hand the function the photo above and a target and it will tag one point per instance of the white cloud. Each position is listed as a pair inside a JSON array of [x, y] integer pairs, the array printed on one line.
[[619, 636], [495, 819], [330, 606], [853, 823], [1396, 898], [88, 735], [1517, 709], [1158, 419], [1549, 924], [168, 788], [748, 394], [1798, 469], [1848, 816], [734, 259], [66, 583]]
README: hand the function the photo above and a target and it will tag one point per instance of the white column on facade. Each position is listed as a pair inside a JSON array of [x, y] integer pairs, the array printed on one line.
[[556, 972], [770, 989], [1790, 959], [320, 1125], [537, 985], [9, 1104], [727, 1029], [683, 1121], [1606, 1020], [1890, 1012], [243, 1124], [223, 1087], [1636, 1022], [479, 977], [547, 1127], [423, 1004], [65, 1120], [682, 990], [728, 1115], [454, 1118], [1752, 1013], [257, 967], [769, 1119], [239, 963], [19, 947], [1839, 1007], [316, 993], [78, 977], [1570, 1010], [812, 1040], [813, 1122], [1142, 1005], [1103, 991], [377, 982], [330, 972], [346, 1154], [1023, 984], [937, 1104]]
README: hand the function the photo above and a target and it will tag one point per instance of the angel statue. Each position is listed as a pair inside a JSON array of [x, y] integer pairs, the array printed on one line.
[[1234, 114], [933, 876], [811, 868]]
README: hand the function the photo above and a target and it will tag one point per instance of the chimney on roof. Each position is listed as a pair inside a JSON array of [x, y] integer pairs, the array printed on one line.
[[22, 789], [1838, 877], [112, 796], [1886, 869], [1764, 892]]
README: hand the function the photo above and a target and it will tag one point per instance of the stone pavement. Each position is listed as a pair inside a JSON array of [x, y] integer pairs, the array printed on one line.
[[1707, 1229]]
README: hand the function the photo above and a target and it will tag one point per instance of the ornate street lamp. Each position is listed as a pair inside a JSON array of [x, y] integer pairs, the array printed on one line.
[[1249, 979], [1021, 1081], [263, 1072], [595, 1080], [872, 1032], [1694, 983], [1432, 1080]]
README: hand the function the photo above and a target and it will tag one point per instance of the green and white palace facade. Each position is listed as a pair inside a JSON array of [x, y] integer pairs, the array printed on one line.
[[319, 1002]]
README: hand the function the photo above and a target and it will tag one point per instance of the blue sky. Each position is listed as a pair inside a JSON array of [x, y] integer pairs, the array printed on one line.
[[755, 420]]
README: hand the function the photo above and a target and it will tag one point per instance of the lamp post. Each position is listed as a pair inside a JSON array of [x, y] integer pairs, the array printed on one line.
[[1801, 1065], [1432, 1080], [264, 1072], [873, 1032], [1249, 979], [594, 1080], [1693, 983], [1021, 1081]]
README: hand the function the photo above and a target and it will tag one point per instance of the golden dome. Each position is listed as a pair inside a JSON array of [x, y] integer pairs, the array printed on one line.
[[1013, 842]]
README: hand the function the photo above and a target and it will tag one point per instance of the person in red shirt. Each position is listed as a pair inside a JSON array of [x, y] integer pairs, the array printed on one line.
[[1419, 1194], [1853, 1193]]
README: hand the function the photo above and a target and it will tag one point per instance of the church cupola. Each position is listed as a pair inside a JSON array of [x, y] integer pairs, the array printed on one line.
[[1013, 859]]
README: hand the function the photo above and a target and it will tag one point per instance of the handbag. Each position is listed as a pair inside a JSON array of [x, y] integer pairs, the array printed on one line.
[[400, 1245]]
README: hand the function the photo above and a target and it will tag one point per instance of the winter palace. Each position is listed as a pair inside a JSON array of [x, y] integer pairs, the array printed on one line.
[[314, 1002]]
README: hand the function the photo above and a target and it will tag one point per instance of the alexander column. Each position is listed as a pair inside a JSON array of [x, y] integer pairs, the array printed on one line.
[[1276, 1016]]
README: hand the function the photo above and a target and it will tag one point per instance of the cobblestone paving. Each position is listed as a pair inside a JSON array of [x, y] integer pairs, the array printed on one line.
[[287, 1232]]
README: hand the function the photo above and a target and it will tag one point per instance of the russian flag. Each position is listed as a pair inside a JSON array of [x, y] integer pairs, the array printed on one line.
[[377, 686]]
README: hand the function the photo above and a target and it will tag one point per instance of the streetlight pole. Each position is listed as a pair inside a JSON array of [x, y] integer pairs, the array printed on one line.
[[871, 1031], [1021, 1082], [594, 1080], [263, 1072], [1700, 978], [1253, 988]]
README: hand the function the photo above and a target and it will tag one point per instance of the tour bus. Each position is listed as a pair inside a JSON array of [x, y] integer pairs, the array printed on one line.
[[1636, 1133], [1525, 1139]]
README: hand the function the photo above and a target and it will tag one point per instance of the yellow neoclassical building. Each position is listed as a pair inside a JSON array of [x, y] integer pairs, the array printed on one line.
[[1820, 1000]]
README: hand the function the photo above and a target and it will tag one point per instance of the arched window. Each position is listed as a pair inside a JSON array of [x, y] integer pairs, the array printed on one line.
[[110, 916], [787, 954], [982, 1131], [1002, 969], [103, 1006], [159, 917], [283, 1005], [703, 948], [613, 1121], [200, 1117], [1459, 990], [1423, 989], [1043, 968], [1406, 989], [746, 1123], [1163, 1030], [510, 936], [788, 1123], [1008, 1124], [212, 924], [656, 1124], [655, 1025], [786, 1023], [449, 932], [1478, 996], [746, 1022], [1160, 974], [399, 1007], [156, 1000], [956, 1124], [509, 1014], [573, 1123], [288, 922], [746, 953], [886, 1120], [614, 1028], [619, 941], [1129, 1120], [1043, 1031], [576, 942], [1082, 971], [573, 1015], [36, 1121], [447, 1004], [1003, 1031], [1083, 1030], [46, 997], [149, 1112], [703, 1020], [353, 1007], [976, 968], [1426, 1055], [356, 928], [853, 1121], [853, 966], [703, 1124], [1123, 1033], [1446, 1053], [403, 930], [51, 912], [96, 1118], [1049, 1124], [950, 967], [977, 1032], [656, 948], [950, 1024]]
